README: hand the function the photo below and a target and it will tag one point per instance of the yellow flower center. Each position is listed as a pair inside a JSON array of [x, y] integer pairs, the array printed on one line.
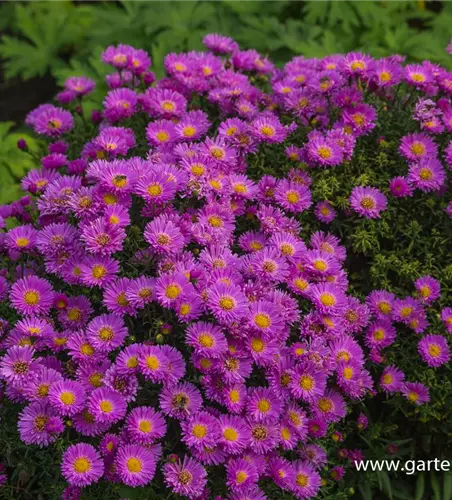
[[82, 465], [134, 465], [230, 434], [22, 242], [307, 383], [434, 350], [120, 181], [379, 334], [173, 291], [257, 345], [348, 372], [106, 406], [292, 197], [145, 426], [385, 76], [367, 202], [418, 77], [320, 265], [285, 433], [31, 297], [199, 431], [262, 320], [234, 396], [99, 271], [106, 333], [268, 131], [358, 65], [152, 363], [241, 477], [264, 405], [327, 299], [168, 106], [324, 152], [425, 174], [189, 131], [227, 303], [43, 390], [417, 148], [413, 396], [154, 190], [206, 340], [215, 221], [387, 378], [217, 153], [67, 398], [162, 136], [325, 405], [87, 349]]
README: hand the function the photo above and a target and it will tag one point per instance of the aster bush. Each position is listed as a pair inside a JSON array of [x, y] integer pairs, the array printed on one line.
[[232, 282]]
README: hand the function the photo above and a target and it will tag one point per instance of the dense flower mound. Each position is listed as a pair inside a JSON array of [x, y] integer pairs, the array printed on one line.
[[166, 307]]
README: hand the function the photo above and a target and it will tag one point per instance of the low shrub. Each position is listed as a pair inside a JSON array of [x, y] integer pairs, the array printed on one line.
[[231, 282]]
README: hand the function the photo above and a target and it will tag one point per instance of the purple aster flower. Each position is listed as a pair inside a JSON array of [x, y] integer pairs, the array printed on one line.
[[446, 318], [307, 480], [368, 202], [206, 339], [163, 103], [427, 175], [32, 295], [330, 406], [180, 400], [400, 187], [380, 334], [323, 152], [200, 431], [145, 425], [21, 238], [235, 434], [381, 303], [325, 212], [140, 291], [356, 63], [415, 147], [428, 289], [307, 382], [434, 350], [220, 44], [18, 364], [186, 477], [80, 85], [67, 397], [98, 270], [33, 424], [135, 464], [416, 393], [101, 238], [241, 475], [39, 386], [327, 298], [52, 121], [106, 405], [120, 104], [392, 379], [418, 75], [293, 197], [227, 302], [106, 332], [262, 405], [115, 297], [82, 465], [360, 118]]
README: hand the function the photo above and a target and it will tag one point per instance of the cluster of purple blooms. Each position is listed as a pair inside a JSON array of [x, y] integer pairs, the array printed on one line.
[[222, 253]]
